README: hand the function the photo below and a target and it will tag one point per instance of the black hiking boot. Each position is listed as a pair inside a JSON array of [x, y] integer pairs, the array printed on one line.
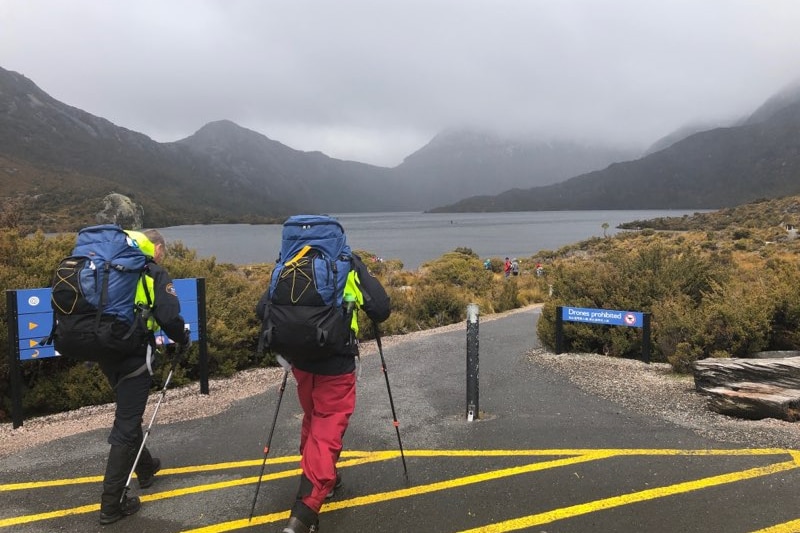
[[126, 508], [147, 468], [295, 525], [303, 519], [120, 461], [336, 487]]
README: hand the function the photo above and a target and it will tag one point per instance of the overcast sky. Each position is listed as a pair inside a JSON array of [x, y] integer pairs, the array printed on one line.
[[374, 80]]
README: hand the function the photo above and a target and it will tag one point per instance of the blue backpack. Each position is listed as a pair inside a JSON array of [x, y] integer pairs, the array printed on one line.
[[304, 318], [93, 297]]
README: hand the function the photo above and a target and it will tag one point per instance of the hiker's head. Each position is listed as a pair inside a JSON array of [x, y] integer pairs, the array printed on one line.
[[159, 244]]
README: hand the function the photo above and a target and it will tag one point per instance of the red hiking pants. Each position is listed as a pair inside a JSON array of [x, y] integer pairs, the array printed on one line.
[[328, 402]]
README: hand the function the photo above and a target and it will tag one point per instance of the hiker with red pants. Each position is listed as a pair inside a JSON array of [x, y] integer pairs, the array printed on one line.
[[326, 382]]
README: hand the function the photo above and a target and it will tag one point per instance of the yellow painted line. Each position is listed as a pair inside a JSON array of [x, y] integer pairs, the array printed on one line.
[[17, 520], [411, 453], [50, 483], [636, 497], [787, 527], [375, 457], [467, 480], [361, 457], [412, 491], [613, 451], [169, 471]]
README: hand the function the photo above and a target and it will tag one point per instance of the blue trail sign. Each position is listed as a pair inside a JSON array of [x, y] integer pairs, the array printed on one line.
[[607, 317], [30, 321], [611, 317]]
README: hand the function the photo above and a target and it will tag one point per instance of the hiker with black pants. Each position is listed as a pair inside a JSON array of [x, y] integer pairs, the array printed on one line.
[[326, 388], [131, 379]]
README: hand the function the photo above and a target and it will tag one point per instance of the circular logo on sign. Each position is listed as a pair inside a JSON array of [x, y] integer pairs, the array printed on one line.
[[33, 301], [630, 318]]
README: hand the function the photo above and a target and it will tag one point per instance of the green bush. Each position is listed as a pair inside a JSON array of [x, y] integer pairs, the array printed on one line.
[[461, 270], [717, 289], [437, 305], [634, 279], [434, 296], [508, 298]]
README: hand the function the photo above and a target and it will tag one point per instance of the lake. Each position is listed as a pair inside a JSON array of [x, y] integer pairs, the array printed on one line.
[[415, 238]]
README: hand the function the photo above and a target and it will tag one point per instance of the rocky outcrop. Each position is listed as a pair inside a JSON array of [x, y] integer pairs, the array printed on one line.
[[121, 210]]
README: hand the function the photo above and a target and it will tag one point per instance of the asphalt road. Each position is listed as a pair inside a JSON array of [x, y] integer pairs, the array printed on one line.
[[543, 456]]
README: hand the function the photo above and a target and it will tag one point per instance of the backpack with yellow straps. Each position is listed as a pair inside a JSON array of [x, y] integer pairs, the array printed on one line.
[[305, 317]]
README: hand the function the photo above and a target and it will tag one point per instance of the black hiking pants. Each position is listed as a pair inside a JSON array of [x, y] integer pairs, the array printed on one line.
[[131, 390]]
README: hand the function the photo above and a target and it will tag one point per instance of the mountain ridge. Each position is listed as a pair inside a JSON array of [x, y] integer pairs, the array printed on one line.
[[61, 162], [709, 169]]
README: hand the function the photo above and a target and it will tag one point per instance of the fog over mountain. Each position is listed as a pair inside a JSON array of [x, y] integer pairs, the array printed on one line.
[[225, 172], [374, 82], [720, 167], [61, 162]]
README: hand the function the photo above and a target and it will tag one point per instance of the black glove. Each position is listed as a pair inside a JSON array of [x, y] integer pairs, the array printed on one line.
[[186, 343]]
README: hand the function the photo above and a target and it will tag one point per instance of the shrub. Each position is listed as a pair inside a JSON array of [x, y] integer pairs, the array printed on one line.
[[684, 355], [437, 305], [459, 269], [436, 295], [634, 279], [509, 296], [714, 291]]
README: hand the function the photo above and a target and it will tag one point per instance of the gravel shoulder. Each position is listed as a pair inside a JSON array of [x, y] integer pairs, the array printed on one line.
[[651, 390], [656, 391]]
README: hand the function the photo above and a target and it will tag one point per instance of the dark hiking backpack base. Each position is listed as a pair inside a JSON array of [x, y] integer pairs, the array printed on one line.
[[80, 337], [306, 332]]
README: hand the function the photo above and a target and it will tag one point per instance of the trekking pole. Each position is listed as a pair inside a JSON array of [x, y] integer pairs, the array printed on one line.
[[269, 441], [175, 361], [391, 401]]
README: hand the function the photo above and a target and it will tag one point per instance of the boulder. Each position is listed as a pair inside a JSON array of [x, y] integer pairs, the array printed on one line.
[[121, 210]]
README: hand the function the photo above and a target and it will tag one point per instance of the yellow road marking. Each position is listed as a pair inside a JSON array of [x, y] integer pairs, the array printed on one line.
[[788, 527], [405, 493], [12, 521], [353, 458], [614, 451], [50, 483], [409, 453], [636, 497], [17, 520], [167, 471]]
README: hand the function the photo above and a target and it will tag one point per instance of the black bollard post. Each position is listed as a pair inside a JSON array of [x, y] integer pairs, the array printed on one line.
[[13, 359], [473, 406], [202, 327], [559, 330]]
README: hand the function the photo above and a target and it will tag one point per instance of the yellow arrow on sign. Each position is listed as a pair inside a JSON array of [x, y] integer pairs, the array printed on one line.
[[33, 342], [35, 354], [32, 325]]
